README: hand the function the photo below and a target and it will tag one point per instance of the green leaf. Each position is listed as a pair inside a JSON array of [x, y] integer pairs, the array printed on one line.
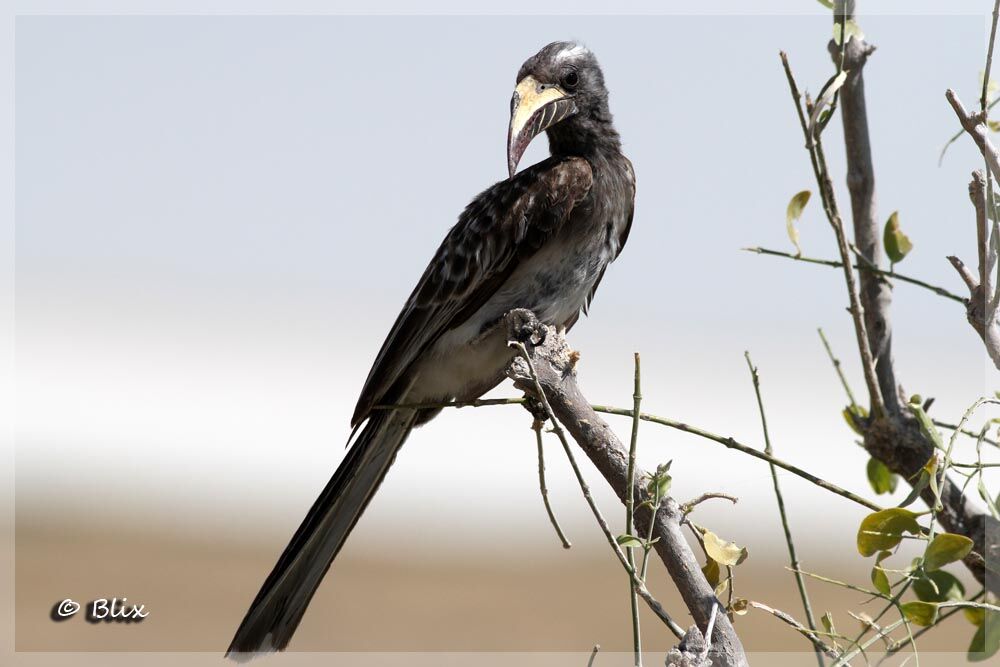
[[825, 98], [921, 613], [884, 529], [986, 642], [994, 125], [628, 541], [930, 469], [659, 482], [855, 415], [725, 553], [946, 548], [880, 580], [975, 615], [793, 213], [991, 87], [827, 620], [826, 3], [880, 477], [927, 426], [897, 244], [659, 485], [851, 29], [918, 488], [712, 572], [938, 586]]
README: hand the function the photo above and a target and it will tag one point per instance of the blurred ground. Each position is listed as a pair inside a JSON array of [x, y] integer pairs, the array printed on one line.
[[377, 600]]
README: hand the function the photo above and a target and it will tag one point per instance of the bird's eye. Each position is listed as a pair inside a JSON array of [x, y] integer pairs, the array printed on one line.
[[570, 79]]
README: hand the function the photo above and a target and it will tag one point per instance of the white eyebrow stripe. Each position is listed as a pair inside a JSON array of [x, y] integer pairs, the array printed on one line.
[[572, 51]]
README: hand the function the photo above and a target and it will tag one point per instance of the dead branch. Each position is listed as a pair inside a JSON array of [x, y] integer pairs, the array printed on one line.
[[974, 123], [555, 374], [981, 306]]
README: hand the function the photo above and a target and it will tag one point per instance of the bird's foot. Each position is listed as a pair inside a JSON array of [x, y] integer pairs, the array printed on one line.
[[524, 327], [537, 410]]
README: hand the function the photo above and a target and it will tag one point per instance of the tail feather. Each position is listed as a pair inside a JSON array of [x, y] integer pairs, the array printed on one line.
[[276, 611]]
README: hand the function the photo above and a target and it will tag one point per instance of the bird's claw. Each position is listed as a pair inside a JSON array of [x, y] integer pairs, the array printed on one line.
[[537, 410], [525, 327]]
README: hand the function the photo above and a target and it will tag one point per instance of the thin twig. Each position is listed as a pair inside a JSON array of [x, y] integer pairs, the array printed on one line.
[[837, 367], [738, 446], [867, 623], [958, 135], [974, 124], [984, 108], [593, 654], [680, 426], [969, 604], [940, 291], [537, 428], [843, 584], [971, 434], [853, 653], [811, 634], [648, 544], [561, 434], [815, 147], [687, 507], [792, 556], [629, 513], [977, 191], [893, 603], [708, 633], [964, 273]]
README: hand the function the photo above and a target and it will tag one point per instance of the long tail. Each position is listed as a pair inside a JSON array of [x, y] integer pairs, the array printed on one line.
[[276, 611]]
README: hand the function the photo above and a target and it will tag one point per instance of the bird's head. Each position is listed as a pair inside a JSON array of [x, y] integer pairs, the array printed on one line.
[[561, 84]]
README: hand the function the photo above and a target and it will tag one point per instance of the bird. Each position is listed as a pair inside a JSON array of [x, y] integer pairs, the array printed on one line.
[[539, 240]]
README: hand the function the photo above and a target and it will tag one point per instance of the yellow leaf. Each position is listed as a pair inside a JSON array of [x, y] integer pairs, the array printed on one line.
[[724, 553], [792, 215]]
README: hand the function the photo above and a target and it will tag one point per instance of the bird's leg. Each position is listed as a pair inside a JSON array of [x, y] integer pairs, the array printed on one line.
[[524, 327]]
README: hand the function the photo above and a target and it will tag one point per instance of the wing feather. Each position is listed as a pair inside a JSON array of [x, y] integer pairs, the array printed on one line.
[[621, 241], [502, 226]]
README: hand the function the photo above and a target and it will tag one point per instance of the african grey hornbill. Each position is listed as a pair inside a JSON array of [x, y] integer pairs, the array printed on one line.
[[540, 240]]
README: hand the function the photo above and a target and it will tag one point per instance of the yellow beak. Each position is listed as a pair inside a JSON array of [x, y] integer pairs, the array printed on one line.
[[534, 108]]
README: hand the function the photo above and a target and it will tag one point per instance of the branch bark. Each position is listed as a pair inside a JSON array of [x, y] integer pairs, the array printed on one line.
[[876, 297], [554, 366], [894, 438], [975, 125], [981, 307]]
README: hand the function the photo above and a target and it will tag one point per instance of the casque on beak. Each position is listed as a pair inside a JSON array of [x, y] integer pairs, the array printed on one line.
[[534, 108]]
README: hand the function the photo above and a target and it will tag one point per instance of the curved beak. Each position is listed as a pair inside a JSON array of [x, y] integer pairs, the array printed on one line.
[[534, 108]]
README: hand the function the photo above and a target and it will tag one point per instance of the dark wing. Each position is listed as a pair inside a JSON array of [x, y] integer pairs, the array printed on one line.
[[502, 226], [616, 237]]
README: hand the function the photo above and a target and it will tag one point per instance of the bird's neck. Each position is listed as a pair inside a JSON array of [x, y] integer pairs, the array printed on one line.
[[585, 136]]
